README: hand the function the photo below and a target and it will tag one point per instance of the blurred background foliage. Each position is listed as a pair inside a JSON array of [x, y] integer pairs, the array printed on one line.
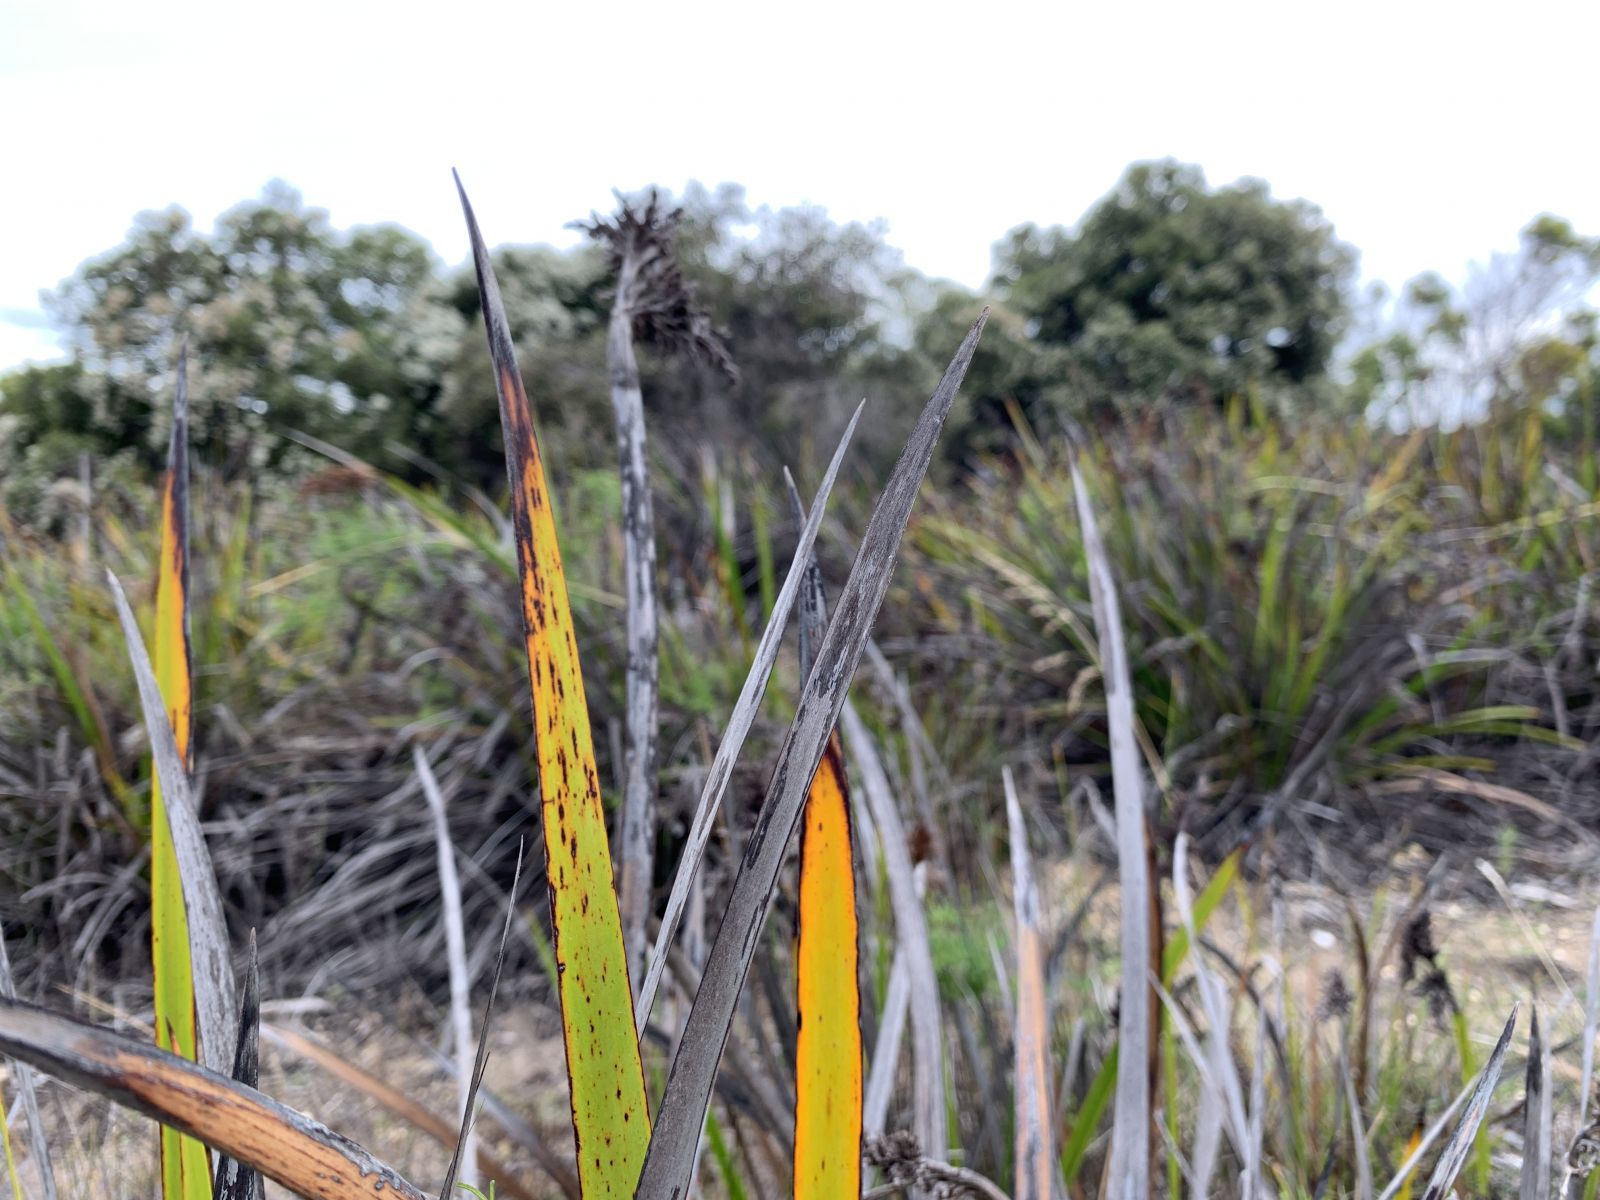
[[1356, 535], [1167, 293]]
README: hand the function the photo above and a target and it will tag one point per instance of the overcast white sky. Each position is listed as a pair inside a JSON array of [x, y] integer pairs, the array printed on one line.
[[1428, 132]]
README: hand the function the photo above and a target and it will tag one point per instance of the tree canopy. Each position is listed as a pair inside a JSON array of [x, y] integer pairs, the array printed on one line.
[[1169, 290], [361, 339], [298, 325], [1522, 330]]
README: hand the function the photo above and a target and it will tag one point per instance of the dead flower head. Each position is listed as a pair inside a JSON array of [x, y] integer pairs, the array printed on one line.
[[1435, 989], [1336, 998], [1419, 946], [641, 242]]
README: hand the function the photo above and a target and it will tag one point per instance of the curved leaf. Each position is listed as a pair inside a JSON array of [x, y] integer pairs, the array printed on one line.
[[304, 1156], [202, 899]]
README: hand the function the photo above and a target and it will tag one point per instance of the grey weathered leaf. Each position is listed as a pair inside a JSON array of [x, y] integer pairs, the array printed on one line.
[[671, 1155], [1460, 1143], [1129, 1177], [1536, 1118], [886, 1052], [1591, 1021], [202, 899], [455, 944], [642, 683], [23, 1075], [1425, 1143], [739, 722], [812, 618], [483, 1037], [928, 1119], [1358, 1129], [1035, 1169]]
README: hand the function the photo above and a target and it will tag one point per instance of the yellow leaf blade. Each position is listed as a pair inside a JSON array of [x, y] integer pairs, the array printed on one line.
[[828, 1067], [185, 1164], [610, 1114]]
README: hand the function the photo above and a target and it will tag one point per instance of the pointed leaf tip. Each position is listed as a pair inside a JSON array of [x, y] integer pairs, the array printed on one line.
[[605, 1072], [688, 1092], [739, 722], [497, 327], [1455, 1152]]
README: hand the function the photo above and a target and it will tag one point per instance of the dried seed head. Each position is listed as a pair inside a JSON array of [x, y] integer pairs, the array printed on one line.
[[920, 844], [1584, 1156], [898, 1155], [641, 245], [1419, 944], [1336, 998], [1435, 989]]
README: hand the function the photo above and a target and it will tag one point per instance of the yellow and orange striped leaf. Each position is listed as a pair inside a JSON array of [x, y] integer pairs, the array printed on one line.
[[829, 1082], [828, 1069], [610, 1115], [185, 1164]]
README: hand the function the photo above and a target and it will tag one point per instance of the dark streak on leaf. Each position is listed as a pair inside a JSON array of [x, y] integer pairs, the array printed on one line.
[[236, 1181]]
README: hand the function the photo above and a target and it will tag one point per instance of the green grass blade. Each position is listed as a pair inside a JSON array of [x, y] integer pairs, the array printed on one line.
[[1085, 1124], [726, 1167], [1087, 1121]]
